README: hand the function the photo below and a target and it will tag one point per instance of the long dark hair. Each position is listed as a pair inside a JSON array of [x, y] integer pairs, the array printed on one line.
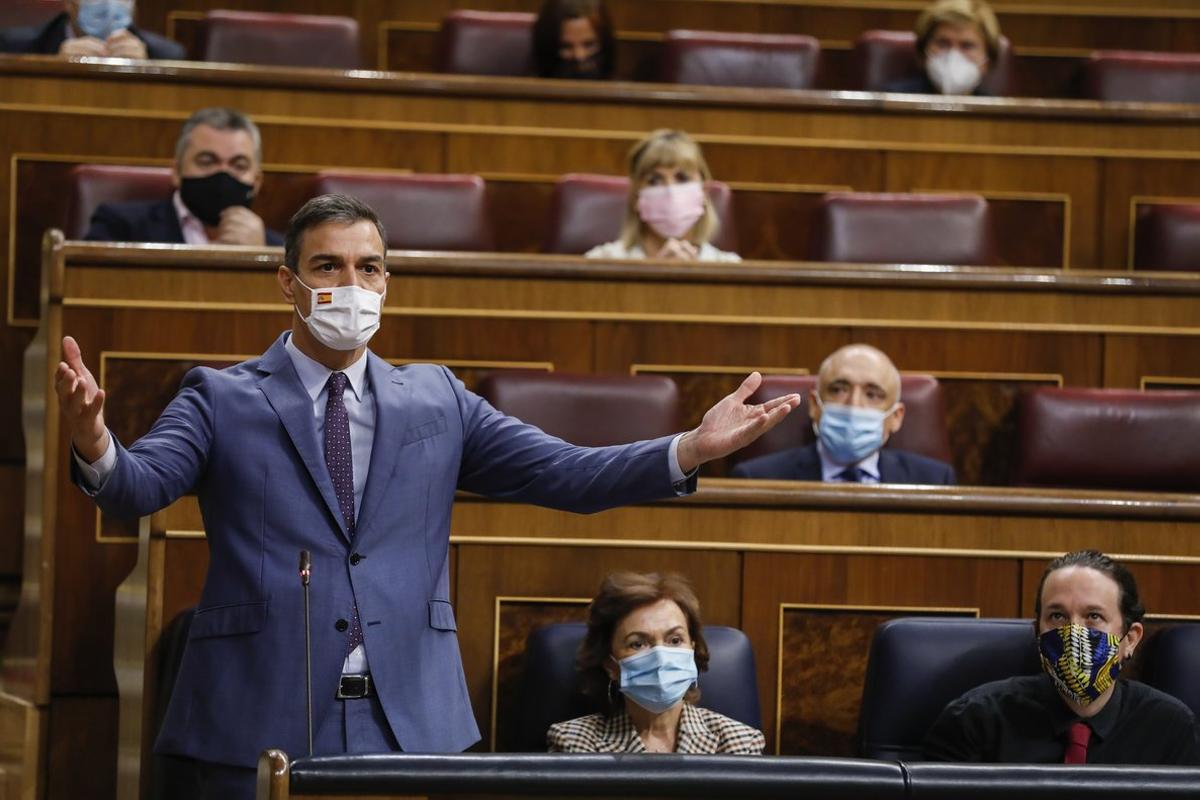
[[547, 35]]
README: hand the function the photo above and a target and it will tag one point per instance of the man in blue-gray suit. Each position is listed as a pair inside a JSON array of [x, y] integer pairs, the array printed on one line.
[[322, 446], [854, 409]]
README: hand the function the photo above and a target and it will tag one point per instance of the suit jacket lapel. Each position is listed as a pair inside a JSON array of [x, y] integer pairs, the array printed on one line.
[[694, 735], [169, 220], [389, 393], [291, 402], [808, 463]]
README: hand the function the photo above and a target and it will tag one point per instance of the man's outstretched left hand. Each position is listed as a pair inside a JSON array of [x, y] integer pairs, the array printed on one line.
[[730, 425]]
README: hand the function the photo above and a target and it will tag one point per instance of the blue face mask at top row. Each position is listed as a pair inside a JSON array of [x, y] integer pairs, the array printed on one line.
[[102, 18], [849, 434]]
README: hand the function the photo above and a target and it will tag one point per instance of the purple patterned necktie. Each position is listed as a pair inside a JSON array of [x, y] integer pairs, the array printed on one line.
[[339, 460]]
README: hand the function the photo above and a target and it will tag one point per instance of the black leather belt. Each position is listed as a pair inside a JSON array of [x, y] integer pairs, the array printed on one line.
[[355, 687]]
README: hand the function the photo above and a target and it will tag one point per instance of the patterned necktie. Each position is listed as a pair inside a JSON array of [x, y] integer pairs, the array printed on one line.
[[339, 460], [1078, 736], [851, 475]]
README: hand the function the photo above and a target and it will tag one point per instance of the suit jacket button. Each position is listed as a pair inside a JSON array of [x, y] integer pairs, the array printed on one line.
[[354, 559], [341, 625]]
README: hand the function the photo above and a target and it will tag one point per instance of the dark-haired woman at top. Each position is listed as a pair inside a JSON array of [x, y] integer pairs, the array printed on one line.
[[573, 39], [641, 657]]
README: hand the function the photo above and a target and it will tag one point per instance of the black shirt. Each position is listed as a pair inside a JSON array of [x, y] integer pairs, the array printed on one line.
[[1024, 720]]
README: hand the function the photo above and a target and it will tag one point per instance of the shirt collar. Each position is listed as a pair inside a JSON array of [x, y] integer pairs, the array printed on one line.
[[314, 375], [830, 471]]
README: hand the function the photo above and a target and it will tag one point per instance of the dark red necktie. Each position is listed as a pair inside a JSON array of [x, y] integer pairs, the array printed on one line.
[[339, 459], [1077, 742]]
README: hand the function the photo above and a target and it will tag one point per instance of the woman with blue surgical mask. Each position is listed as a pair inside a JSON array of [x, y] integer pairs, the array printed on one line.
[[640, 661]]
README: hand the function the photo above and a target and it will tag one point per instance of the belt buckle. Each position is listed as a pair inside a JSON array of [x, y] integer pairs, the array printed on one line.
[[354, 687]]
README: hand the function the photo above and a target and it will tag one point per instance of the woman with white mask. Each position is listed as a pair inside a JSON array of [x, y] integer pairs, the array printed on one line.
[[640, 660], [669, 214], [957, 42]]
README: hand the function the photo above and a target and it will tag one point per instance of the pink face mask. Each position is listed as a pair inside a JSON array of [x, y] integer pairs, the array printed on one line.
[[671, 210]]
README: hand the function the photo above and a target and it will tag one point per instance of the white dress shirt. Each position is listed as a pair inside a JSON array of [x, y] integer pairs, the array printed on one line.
[[831, 472], [189, 223]]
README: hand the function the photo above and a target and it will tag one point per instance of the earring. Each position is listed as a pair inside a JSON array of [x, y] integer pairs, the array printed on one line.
[[612, 692]]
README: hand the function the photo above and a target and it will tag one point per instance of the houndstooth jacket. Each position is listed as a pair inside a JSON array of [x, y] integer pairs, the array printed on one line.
[[700, 731]]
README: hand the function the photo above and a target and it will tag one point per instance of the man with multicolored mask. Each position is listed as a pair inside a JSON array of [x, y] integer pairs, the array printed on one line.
[[216, 175], [854, 409], [1089, 623], [96, 28]]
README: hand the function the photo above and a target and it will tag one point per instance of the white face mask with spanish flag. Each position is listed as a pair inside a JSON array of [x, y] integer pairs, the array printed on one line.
[[343, 317]]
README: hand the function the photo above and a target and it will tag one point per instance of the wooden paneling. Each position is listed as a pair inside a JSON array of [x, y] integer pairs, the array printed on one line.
[[78, 729], [825, 580]]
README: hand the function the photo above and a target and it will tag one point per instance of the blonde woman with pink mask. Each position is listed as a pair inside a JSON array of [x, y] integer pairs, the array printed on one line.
[[668, 214]]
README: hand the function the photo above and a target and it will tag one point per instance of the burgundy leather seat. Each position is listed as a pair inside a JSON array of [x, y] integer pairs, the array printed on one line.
[[924, 429], [904, 229], [1138, 77], [1167, 236], [486, 43], [421, 212], [284, 40], [588, 210], [94, 184], [590, 410], [779, 61], [884, 57], [1109, 439]]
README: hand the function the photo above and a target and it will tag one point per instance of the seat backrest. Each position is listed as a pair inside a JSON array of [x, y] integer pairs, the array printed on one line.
[[862, 227], [923, 431], [779, 61], [1139, 77], [284, 40], [1167, 237], [587, 210], [1108, 439], [421, 212], [94, 184], [550, 691], [589, 410], [1174, 663], [917, 665], [486, 43], [885, 57]]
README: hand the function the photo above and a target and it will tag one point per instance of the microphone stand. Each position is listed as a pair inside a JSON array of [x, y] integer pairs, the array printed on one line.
[[305, 574]]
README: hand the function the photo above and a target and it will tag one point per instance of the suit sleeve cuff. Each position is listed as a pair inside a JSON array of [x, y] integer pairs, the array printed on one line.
[[95, 475], [680, 482]]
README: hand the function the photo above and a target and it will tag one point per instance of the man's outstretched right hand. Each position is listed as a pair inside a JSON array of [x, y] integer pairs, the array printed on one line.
[[82, 403]]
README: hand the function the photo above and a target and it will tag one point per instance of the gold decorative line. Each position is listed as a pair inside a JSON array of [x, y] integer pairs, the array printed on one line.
[[544, 366], [802, 549], [723, 369], [1148, 381], [530, 132], [143, 161], [1173, 617], [10, 310], [621, 316], [784, 607], [1032, 377], [790, 188], [496, 642], [184, 535]]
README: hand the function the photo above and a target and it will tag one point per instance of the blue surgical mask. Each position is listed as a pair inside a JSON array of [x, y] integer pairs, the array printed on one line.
[[659, 677], [102, 18], [848, 434]]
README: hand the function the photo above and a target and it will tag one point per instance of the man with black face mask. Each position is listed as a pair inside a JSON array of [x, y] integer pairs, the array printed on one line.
[[217, 173], [1088, 625]]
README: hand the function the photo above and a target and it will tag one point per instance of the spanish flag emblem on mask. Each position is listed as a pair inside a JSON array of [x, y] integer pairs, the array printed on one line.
[[324, 298]]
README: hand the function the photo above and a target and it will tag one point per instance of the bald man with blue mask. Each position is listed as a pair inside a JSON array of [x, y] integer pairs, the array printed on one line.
[[855, 409]]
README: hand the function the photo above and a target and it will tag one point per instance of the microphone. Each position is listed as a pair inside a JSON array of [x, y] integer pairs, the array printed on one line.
[[305, 574]]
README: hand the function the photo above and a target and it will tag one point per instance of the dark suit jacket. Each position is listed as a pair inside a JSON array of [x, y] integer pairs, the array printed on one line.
[[144, 221], [46, 39], [804, 464], [920, 84]]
